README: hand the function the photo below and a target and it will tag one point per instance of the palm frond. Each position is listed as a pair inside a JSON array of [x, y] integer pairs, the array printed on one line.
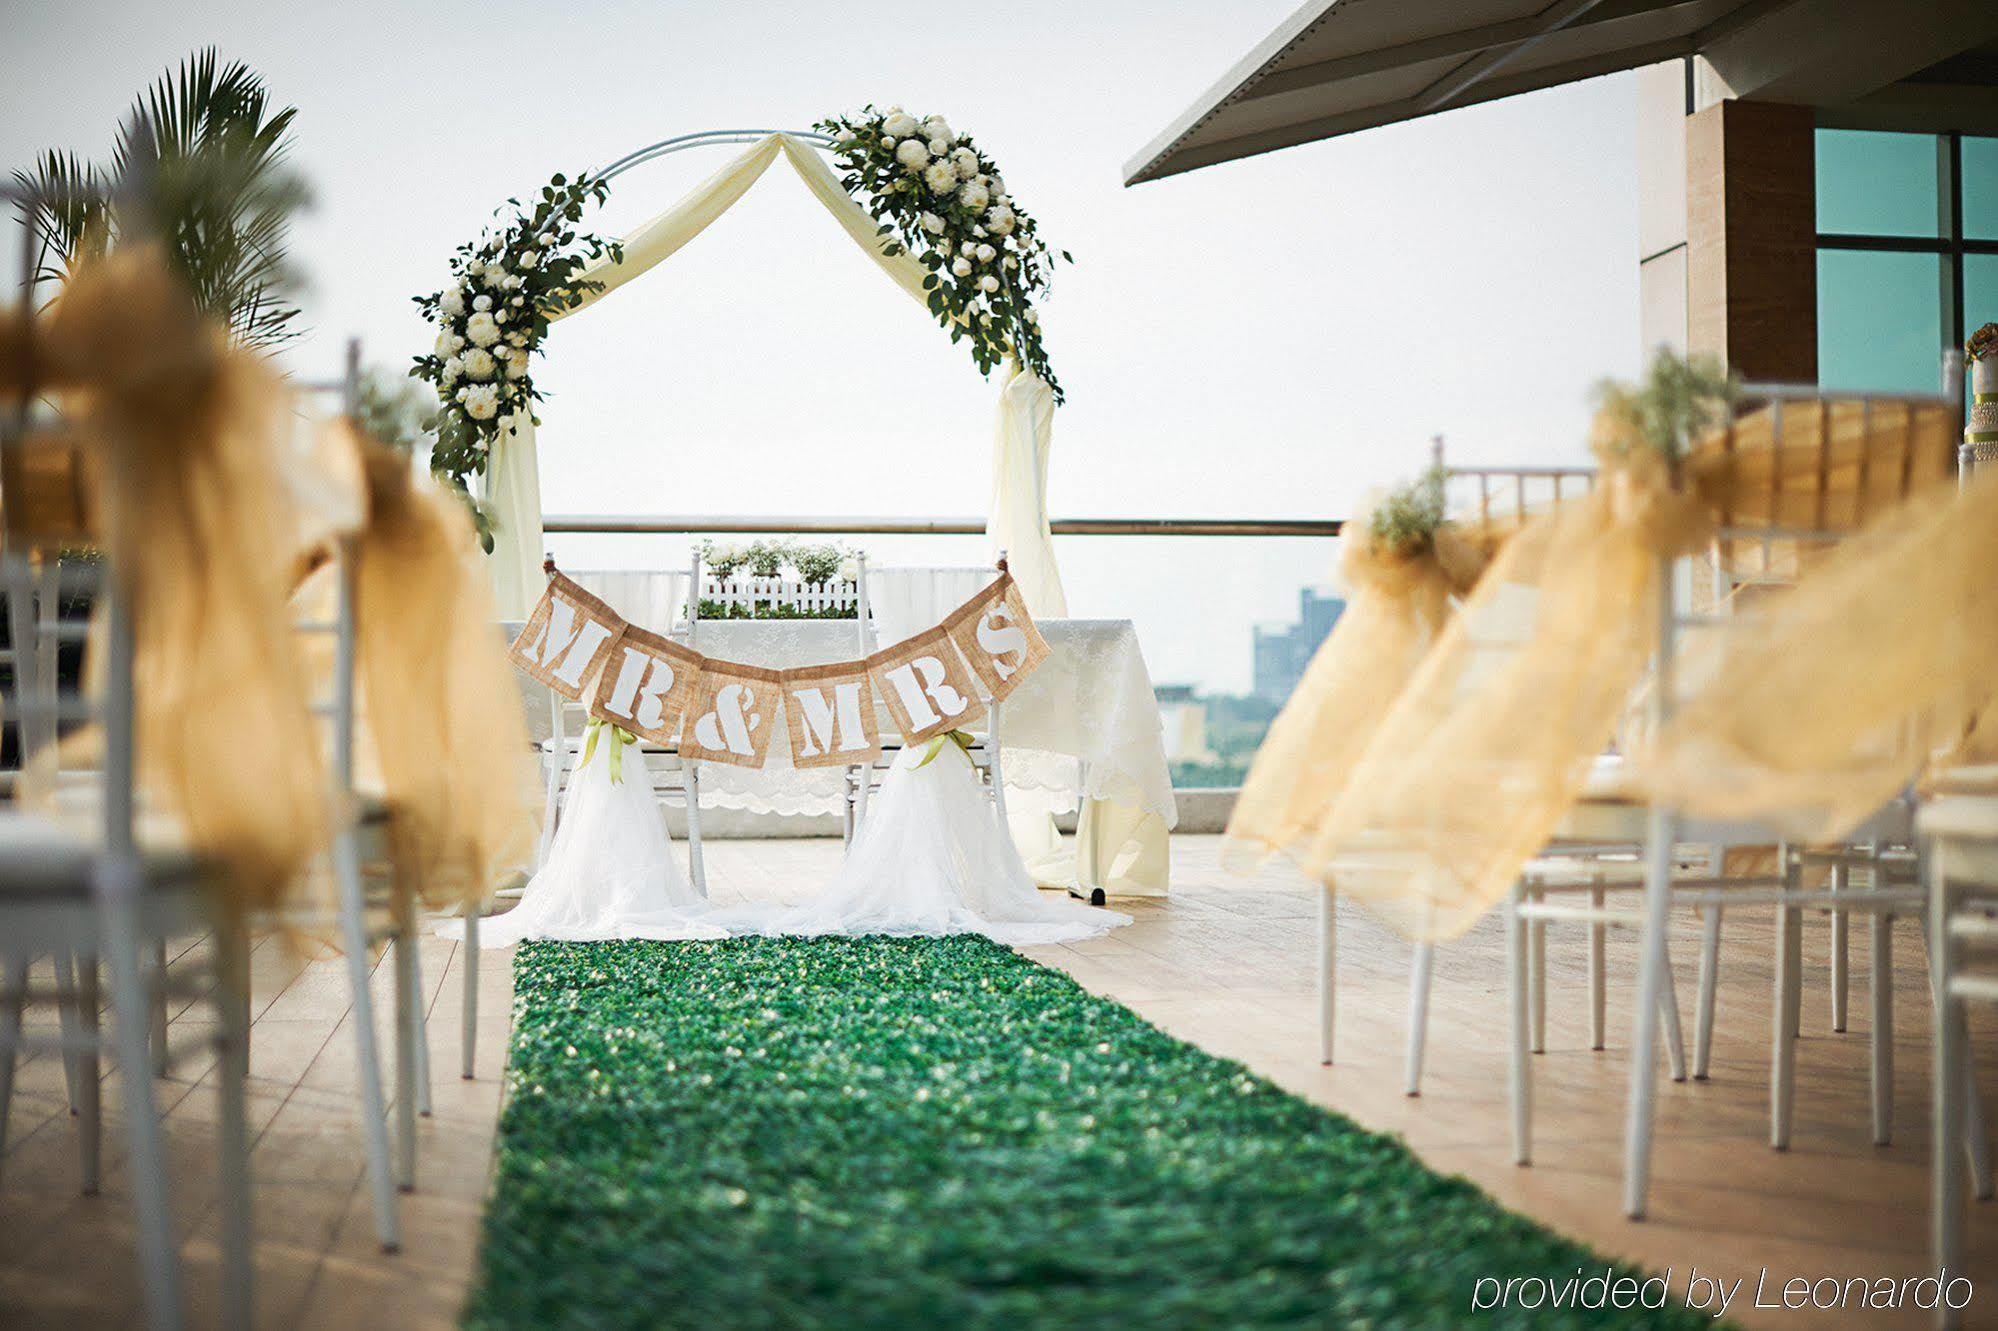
[[206, 171], [67, 208]]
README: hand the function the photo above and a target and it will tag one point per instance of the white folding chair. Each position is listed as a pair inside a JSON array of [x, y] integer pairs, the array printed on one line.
[[105, 897], [894, 603], [673, 777], [1485, 496], [1668, 874], [1960, 836], [359, 831]]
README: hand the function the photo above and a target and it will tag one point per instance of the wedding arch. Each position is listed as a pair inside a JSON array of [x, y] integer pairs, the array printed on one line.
[[1017, 518]]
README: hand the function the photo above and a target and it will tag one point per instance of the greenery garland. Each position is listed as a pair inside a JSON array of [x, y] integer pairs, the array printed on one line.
[[938, 1132], [1405, 520], [944, 200], [505, 289]]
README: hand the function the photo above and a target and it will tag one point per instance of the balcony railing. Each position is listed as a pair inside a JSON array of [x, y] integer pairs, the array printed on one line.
[[713, 524], [1201, 606]]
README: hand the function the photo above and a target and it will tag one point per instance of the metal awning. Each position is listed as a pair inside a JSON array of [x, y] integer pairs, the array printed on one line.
[[1336, 66]]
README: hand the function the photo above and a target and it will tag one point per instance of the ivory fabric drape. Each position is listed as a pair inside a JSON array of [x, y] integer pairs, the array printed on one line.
[[1018, 517]]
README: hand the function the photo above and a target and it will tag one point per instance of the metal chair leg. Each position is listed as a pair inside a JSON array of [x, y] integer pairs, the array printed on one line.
[[1519, 1066], [420, 1018], [157, 1005], [1598, 974], [1841, 984], [1536, 975], [374, 1110], [1652, 963], [1675, 1034], [159, 1263], [1420, 975], [1783, 1044], [89, 1085], [469, 1031], [1328, 970], [696, 863], [13, 997], [407, 1036], [1946, 1170], [1703, 1018], [1880, 1033], [65, 986], [232, 1004]]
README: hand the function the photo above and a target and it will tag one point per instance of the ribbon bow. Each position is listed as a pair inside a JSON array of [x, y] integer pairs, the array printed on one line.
[[963, 739], [619, 737]]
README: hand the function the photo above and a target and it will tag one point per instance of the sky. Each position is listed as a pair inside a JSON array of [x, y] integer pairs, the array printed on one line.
[[1271, 338]]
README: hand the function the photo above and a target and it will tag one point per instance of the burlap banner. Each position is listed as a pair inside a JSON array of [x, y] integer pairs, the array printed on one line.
[[926, 686], [647, 684], [737, 708], [728, 712], [567, 638], [997, 638], [831, 714]]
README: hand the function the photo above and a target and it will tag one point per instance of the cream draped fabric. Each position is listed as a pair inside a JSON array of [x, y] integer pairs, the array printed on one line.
[[1018, 518], [1400, 601], [1496, 732], [1815, 708]]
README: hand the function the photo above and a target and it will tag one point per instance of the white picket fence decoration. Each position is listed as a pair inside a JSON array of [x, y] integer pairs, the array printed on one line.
[[751, 592]]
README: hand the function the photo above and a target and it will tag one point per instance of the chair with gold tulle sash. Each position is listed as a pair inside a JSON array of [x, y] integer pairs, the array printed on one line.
[[92, 883], [1781, 487]]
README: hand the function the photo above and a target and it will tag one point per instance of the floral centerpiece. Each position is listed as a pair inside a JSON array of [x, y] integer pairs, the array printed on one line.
[[816, 566], [942, 198], [492, 317], [1982, 344]]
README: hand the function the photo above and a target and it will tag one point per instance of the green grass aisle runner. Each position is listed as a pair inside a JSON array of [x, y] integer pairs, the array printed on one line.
[[941, 1134]]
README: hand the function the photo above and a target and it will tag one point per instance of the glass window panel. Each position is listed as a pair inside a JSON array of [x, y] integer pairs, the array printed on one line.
[[1980, 189], [1876, 184], [1980, 291], [1880, 321]]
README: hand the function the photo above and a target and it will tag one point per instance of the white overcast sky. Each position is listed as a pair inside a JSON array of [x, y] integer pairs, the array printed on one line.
[[1268, 338]]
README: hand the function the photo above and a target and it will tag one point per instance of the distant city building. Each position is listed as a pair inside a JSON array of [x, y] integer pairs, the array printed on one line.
[[1283, 653], [1185, 719]]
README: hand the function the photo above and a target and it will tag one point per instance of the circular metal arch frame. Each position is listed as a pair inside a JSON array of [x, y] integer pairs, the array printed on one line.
[[707, 138]]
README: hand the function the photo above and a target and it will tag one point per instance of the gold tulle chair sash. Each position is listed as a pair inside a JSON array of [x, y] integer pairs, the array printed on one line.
[[173, 429], [1493, 739], [1815, 709]]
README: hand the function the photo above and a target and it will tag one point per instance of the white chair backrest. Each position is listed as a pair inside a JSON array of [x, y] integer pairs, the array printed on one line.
[[650, 598], [1487, 494], [905, 601]]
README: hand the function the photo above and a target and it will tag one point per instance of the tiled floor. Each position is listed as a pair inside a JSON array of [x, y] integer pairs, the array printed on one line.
[[1225, 962]]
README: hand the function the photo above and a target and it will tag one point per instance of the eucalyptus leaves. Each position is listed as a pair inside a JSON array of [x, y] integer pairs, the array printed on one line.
[[505, 287], [938, 195]]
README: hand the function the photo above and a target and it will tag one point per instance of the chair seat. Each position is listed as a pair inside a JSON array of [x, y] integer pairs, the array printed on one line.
[[1961, 817], [44, 859], [1971, 779]]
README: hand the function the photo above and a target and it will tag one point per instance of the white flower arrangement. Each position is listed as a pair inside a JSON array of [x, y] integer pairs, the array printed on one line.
[[939, 197], [493, 315]]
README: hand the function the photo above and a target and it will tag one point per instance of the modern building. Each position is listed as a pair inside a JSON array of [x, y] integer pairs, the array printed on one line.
[[1818, 178], [1282, 653]]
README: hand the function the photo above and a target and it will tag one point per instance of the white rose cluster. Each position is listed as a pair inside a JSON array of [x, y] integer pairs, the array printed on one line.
[[482, 402], [940, 196]]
